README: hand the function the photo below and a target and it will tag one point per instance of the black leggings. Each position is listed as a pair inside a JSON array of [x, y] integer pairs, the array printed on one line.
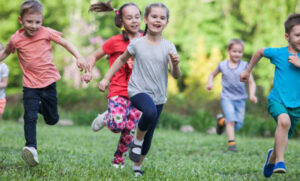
[[149, 119]]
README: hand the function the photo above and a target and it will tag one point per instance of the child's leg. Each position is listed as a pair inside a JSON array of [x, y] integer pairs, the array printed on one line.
[[230, 117], [2, 106], [281, 138], [31, 101], [127, 134], [116, 116], [145, 104], [48, 106]]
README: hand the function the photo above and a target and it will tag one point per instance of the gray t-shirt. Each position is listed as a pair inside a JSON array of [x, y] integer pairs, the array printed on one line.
[[233, 88], [150, 68], [4, 71]]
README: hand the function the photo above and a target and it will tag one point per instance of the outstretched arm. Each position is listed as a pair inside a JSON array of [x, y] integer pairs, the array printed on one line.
[[121, 60], [252, 89], [69, 46], [212, 75], [244, 77], [4, 53], [174, 65]]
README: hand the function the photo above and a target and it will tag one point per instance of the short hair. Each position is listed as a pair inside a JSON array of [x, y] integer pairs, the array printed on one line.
[[235, 41], [291, 21], [31, 6]]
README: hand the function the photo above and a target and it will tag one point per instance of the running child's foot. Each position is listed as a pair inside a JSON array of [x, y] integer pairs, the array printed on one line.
[[135, 150], [220, 124], [268, 168], [279, 167], [138, 173], [99, 122], [30, 156], [120, 165], [232, 148]]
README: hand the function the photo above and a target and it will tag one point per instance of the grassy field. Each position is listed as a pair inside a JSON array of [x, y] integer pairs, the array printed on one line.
[[77, 153]]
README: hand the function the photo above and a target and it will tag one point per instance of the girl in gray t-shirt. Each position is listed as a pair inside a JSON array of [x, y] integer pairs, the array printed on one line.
[[148, 82], [234, 95]]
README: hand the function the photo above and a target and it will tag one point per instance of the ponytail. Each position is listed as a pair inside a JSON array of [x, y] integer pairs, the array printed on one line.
[[106, 7]]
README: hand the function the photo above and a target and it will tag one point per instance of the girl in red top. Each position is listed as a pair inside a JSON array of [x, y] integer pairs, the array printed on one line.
[[121, 116]]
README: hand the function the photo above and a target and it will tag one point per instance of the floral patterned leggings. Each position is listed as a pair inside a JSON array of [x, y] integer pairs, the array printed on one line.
[[122, 118]]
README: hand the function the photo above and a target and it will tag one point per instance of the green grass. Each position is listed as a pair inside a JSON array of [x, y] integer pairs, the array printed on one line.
[[77, 153]]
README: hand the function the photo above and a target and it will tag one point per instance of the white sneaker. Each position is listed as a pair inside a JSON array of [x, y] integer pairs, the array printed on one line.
[[99, 122], [30, 156], [118, 165]]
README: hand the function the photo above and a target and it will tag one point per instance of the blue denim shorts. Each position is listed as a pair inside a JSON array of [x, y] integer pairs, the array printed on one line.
[[234, 111]]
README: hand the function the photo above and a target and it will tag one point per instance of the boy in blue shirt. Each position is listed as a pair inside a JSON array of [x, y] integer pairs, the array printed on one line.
[[284, 98]]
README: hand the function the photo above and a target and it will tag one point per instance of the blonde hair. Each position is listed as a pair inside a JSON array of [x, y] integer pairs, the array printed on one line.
[[31, 6]]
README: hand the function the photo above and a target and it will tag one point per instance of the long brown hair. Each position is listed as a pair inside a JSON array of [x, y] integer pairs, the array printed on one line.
[[106, 7]]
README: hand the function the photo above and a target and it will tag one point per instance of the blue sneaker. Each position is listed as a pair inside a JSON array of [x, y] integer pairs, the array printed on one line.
[[268, 168], [279, 167]]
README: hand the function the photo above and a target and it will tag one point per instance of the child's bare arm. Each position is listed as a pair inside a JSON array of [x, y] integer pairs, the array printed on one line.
[[121, 60], [174, 65], [4, 53], [244, 77], [69, 46], [92, 59], [211, 77], [252, 89], [3, 82]]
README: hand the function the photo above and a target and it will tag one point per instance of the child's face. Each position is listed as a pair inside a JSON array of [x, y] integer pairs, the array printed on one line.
[[236, 52], [131, 19], [294, 38], [32, 23], [157, 20]]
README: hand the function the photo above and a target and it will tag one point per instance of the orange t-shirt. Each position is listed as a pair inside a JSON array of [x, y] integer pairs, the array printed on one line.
[[35, 56]]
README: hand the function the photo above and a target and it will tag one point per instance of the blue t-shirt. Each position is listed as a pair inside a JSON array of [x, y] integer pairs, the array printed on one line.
[[286, 88], [232, 87]]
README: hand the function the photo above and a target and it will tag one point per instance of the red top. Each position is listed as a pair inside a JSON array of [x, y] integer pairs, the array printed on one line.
[[114, 47]]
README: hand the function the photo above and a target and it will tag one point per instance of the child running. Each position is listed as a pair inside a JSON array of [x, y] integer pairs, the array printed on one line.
[[4, 71], [148, 82], [284, 98], [121, 115], [33, 44], [233, 95]]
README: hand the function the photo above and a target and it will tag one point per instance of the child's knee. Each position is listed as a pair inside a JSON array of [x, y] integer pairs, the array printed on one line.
[[52, 121], [284, 121]]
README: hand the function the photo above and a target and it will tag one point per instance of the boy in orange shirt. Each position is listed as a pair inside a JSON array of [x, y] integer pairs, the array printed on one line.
[[33, 45]]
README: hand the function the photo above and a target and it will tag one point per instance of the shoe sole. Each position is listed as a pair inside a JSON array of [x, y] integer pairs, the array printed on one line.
[[279, 170], [27, 156]]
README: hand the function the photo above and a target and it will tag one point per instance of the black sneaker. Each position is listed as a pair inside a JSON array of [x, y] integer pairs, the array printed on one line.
[[232, 148], [220, 128], [138, 173], [135, 157]]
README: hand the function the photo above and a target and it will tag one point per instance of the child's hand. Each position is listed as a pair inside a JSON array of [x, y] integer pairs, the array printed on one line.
[[294, 59], [81, 64], [209, 87], [253, 99], [103, 84], [87, 77], [174, 58], [244, 77]]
